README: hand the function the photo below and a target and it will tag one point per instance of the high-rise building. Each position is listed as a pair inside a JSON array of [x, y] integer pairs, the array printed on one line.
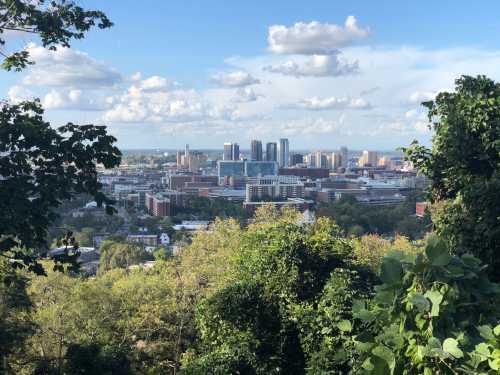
[[272, 151], [368, 159], [231, 151], [186, 151], [337, 160], [321, 159], [228, 151], [179, 159], [283, 153], [236, 151], [296, 159], [344, 155], [256, 150]]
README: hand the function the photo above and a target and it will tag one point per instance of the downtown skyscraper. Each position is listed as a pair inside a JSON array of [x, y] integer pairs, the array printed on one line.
[[231, 151], [256, 150], [283, 153], [272, 151]]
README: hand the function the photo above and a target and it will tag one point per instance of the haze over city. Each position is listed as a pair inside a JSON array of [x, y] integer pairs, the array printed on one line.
[[323, 75]]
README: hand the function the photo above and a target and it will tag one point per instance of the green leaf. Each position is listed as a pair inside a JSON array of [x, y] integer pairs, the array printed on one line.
[[391, 271], [388, 358], [436, 298], [496, 330], [436, 251], [486, 332], [483, 350], [494, 363], [345, 326], [450, 345], [420, 302]]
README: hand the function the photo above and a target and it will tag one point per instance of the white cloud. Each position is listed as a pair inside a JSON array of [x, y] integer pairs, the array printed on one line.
[[18, 93], [68, 67], [418, 97], [75, 99], [246, 94], [314, 38], [316, 66], [157, 83], [234, 79], [316, 103], [159, 100]]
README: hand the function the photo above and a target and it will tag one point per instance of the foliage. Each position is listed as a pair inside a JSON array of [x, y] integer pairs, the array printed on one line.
[[433, 314], [370, 249], [202, 208], [357, 219], [15, 324], [56, 23], [40, 167], [260, 324], [121, 255], [464, 167], [325, 325]]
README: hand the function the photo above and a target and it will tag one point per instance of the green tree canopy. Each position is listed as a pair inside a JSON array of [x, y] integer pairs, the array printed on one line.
[[40, 167], [464, 167]]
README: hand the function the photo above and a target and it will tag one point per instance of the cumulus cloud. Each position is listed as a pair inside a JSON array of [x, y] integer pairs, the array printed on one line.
[[314, 38], [317, 104], [158, 100], [68, 67], [234, 79], [75, 99], [316, 66], [157, 83]]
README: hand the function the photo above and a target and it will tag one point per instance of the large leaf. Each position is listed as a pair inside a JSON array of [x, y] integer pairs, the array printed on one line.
[[436, 251], [450, 345], [436, 298], [391, 271], [420, 302]]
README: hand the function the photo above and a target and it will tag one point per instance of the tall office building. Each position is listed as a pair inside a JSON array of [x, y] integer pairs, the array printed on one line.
[[368, 159], [272, 151], [256, 150], [186, 151], [231, 151], [228, 151], [283, 153], [344, 157], [236, 151], [337, 160]]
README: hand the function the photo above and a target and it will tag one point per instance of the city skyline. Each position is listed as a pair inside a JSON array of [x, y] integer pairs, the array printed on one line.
[[325, 76]]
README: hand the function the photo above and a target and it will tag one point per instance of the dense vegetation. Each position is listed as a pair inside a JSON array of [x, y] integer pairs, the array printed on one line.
[[275, 297], [358, 219], [464, 167]]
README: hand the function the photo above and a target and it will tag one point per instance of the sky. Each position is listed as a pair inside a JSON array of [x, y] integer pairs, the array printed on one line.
[[322, 73]]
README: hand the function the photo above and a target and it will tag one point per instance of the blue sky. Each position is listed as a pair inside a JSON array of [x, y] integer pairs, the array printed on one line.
[[323, 73]]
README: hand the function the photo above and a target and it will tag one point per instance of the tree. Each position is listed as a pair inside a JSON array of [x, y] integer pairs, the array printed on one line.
[[121, 255], [40, 167], [15, 323], [263, 320], [464, 168], [56, 23]]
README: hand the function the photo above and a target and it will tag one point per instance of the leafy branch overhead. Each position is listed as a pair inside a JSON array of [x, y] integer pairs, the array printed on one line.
[[55, 22], [40, 167]]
